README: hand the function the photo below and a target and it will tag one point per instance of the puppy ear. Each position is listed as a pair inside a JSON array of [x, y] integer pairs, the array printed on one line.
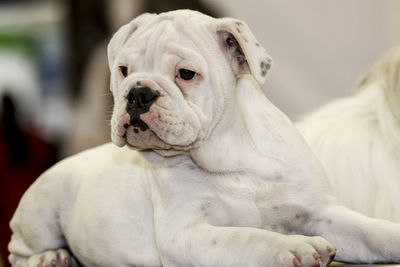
[[244, 51], [119, 39], [270, 129]]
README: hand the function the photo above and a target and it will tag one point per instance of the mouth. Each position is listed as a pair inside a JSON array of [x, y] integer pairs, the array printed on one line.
[[136, 133], [136, 123], [142, 134], [154, 123]]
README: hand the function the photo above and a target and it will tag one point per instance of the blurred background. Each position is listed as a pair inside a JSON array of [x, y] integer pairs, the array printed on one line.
[[54, 77]]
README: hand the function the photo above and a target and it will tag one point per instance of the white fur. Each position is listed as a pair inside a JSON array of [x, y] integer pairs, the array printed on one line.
[[231, 183], [358, 141]]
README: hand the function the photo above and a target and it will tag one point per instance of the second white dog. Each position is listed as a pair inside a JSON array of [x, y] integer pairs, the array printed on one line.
[[358, 141]]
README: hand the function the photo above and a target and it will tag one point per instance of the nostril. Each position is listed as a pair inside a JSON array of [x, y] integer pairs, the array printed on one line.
[[131, 98], [143, 98], [147, 96], [152, 96]]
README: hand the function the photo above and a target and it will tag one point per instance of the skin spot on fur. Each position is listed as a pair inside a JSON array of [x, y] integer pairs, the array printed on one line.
[[192, 167], [278, 176], [205, 209], [207, 205], [302, 217], [135, 130], [275, 207], [214, 242], [274, 227], [265, 66]]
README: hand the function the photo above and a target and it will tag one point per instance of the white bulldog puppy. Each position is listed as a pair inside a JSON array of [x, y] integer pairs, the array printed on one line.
[[210, 174]]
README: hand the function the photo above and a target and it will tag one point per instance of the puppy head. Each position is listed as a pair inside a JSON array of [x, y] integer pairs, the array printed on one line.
[[171, 75]]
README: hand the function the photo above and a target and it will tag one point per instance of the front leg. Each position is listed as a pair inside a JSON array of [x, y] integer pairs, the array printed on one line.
[[359, 239], [198, 243]]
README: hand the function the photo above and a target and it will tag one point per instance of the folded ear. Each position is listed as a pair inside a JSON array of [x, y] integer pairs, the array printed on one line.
[[122, 35], [243, 50], [271, 131]]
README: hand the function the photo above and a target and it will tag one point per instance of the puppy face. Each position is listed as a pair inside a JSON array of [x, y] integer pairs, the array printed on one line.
[[170, 75]]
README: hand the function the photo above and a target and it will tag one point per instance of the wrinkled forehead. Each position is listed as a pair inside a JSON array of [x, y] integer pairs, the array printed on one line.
[[160, 34], [183, 37], [186, 22]]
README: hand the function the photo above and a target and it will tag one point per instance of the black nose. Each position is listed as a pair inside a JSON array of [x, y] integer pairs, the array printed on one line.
[[141, 97]]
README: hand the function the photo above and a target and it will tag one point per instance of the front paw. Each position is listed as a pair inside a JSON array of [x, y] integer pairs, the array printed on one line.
[[52, 258], [296, 251]]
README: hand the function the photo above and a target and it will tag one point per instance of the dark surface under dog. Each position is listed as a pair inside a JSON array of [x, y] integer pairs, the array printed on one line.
[[362, 265]]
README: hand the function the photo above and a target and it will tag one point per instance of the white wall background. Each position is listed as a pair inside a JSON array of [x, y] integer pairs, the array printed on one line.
[[320, 48]]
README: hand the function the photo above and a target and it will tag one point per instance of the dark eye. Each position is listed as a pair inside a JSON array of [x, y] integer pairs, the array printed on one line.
[[123, 70], [186, 74]]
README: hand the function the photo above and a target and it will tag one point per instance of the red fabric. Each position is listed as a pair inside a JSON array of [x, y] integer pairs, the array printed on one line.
[[16, 178]]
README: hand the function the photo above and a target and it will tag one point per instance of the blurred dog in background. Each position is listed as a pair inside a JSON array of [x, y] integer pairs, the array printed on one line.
[[358, 141]]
